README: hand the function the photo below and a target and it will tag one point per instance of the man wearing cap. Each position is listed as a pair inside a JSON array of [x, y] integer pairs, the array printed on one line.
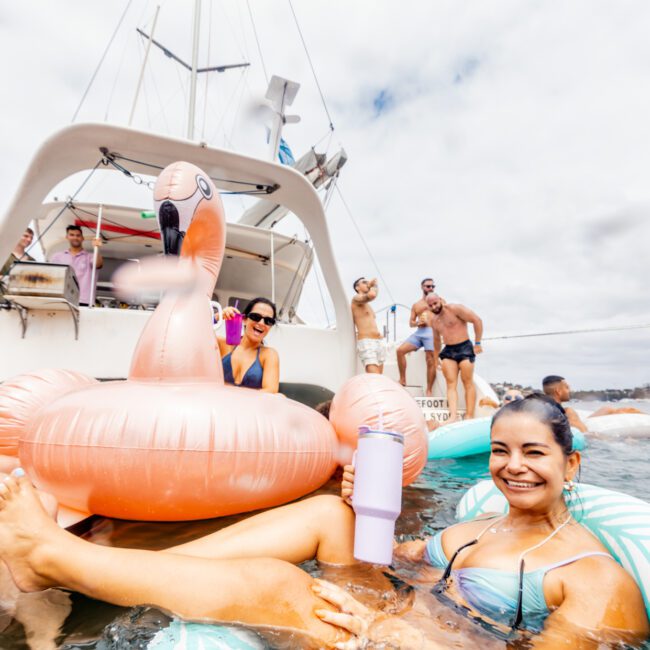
[[421, 318]]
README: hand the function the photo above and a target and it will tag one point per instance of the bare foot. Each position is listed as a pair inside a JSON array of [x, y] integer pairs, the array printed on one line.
[[48, 500], [429, 393], [25, 527]]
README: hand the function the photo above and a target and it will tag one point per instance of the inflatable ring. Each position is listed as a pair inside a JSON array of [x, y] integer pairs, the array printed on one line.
[[470, 437]]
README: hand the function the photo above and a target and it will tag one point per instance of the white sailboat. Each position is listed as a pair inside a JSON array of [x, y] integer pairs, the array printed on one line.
[[43, 328]]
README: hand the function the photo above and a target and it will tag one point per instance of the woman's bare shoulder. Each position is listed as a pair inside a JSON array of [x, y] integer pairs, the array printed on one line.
[[268, 354]]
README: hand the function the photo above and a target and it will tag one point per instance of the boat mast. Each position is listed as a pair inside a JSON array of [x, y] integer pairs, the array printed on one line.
[[193, 74]]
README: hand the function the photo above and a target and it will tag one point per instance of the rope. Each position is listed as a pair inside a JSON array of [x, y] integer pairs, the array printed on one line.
[[99, 65], [379, 273], [68, 203], [257, 40], [311, 65], [260, 188], [563, 332]]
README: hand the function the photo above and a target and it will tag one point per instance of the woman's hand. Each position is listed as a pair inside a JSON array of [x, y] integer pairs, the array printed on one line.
[[229, 312], [362, 622], [353, 616], [347, 484]]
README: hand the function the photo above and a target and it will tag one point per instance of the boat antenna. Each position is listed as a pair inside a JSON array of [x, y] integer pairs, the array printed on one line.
[[281, 93]]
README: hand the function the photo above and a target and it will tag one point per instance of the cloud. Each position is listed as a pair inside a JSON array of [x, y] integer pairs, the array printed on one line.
[[500, 147]]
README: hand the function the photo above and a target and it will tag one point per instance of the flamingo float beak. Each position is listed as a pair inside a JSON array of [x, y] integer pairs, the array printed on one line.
[[172, 236]]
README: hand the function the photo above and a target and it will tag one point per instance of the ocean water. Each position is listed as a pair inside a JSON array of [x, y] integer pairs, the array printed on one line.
[[428, 506]]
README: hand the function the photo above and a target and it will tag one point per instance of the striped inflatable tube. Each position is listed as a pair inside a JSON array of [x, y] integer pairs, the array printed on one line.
[[181, 635], [619, 521]]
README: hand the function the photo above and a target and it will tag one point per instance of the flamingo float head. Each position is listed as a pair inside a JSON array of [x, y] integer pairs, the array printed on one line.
[[190, 215]]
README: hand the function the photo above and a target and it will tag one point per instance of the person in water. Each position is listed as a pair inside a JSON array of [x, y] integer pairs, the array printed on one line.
[[371, 345], [251, 363], [422, 338], [573, 591], [558, 389], [451, 323]]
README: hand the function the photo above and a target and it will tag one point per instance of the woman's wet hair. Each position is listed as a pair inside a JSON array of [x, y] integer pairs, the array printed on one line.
[[545, 410], [257, 301]]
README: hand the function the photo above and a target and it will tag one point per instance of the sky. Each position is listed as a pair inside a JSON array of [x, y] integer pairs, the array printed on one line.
[[501, 147]]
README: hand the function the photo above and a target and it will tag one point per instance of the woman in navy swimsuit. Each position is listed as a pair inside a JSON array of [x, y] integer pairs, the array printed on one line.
[[252, 364]]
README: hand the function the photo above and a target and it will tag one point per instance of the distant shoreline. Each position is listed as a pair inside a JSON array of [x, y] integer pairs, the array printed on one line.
[[602, 395]]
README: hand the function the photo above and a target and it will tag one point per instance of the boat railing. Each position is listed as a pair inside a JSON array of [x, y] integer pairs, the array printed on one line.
[[390, 329]]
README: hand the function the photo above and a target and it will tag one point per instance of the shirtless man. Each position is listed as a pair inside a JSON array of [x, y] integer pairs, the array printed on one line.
[[558, 389], [421, 318], [450, 322], [371, 346]]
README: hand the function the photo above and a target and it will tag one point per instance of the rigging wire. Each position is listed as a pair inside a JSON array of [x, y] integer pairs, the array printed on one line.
[[99, 65], [117, 76], [618, 328], [363, 241], [315, 266], [259, 47], [311, 65], [68, 203]]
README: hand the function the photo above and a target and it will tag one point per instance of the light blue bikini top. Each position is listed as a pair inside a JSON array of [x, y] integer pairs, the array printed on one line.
[[493, 593]]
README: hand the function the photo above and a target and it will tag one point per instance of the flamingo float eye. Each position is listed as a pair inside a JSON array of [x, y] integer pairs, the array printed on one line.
[[204, 187]]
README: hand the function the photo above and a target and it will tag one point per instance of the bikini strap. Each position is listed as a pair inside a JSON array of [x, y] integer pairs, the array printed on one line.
[[447, 573], [575, 558]]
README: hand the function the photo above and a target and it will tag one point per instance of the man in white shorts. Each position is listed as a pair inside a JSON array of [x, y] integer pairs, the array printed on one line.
[[371, 346]]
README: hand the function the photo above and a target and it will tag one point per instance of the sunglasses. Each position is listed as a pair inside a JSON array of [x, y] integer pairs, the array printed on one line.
[[510, 398], [256, 318], [429, 286]]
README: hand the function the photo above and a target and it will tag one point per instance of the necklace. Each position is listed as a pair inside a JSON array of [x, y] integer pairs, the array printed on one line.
[[504, 529]]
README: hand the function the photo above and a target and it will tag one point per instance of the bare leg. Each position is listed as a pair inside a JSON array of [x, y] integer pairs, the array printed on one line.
[[450, 371], [430, 358], [402, 351], [467, 377], [39, 554], [321, 527]]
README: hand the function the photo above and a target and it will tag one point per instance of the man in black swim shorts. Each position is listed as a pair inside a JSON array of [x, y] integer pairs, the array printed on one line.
[[450, 322]]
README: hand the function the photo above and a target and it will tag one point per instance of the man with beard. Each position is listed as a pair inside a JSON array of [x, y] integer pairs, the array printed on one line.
[[450, 322], [421, 338]]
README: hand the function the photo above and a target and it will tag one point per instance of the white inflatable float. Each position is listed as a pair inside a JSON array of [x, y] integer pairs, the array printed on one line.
[[623, 425]]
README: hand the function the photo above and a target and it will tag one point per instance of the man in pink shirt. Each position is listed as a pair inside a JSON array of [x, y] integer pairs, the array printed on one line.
[[80, 260]]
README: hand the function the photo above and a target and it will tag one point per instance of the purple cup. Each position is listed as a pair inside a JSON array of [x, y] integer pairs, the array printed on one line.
[[377, 496], [233, 329]]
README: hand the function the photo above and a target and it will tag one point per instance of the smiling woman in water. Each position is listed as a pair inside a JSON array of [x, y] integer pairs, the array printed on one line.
[[251, 363], [534, 571]]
